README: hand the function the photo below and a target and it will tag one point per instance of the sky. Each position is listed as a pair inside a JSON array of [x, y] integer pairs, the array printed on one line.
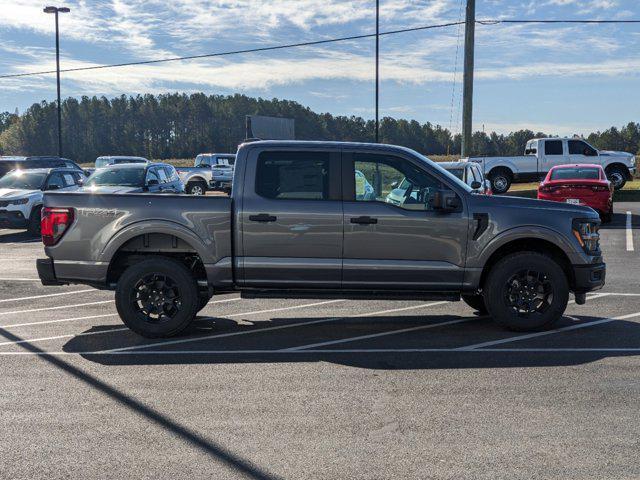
[[559, 79]]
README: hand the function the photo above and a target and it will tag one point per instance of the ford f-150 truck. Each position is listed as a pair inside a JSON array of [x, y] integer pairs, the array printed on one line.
[[296, 225], [543, 153]]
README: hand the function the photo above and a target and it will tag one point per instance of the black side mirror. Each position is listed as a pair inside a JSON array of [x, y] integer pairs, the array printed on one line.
[[53, 187], [446, 201], [152, 182], [476, 185]]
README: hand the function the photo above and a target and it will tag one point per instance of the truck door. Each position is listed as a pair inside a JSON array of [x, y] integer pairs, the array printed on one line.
[[291, 220], [553, 154], [393, 239]]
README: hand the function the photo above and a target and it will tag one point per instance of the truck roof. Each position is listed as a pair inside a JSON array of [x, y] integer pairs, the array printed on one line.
[[325, 144]]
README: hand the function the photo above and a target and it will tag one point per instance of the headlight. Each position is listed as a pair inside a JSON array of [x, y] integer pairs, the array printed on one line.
[[22, 201], [587, 234]]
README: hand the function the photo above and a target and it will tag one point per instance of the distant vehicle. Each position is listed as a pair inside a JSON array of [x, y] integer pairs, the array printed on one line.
[[105, 161], [581, 184], [211, 171], [23, 163], [364, 190], [471, 174], [135, 178], [294, 228], [543, 153], [21, 194]]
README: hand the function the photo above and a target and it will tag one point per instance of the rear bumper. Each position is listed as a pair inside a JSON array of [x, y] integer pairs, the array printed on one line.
[[13, 219], [589, 277], [46, 272]]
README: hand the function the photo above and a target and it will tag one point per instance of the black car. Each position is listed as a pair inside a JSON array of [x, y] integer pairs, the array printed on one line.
[[23, 163], [135, 178]]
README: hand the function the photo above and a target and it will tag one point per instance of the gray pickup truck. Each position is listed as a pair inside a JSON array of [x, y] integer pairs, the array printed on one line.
[[302, 222]]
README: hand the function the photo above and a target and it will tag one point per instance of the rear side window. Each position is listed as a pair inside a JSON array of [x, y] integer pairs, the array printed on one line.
[[553, 147], [293, 175]]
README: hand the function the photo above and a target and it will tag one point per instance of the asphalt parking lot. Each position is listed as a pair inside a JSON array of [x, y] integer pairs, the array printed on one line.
[[319, 389]]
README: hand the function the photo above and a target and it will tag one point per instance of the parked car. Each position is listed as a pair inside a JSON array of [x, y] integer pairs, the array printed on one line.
[[471, 174], [24, 163], [134, 178], [294, 227], [579, 185], [21, 194], [543, 153], [211, 171], [105, 161]]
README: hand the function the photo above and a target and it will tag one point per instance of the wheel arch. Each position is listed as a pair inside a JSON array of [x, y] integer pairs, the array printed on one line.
[[620, 165]]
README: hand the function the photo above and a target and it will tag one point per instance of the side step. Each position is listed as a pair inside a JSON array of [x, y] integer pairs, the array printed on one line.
[[350, 294]]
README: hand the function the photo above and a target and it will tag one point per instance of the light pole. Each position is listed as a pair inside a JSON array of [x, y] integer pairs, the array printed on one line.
[[56, 10], [377, 67]]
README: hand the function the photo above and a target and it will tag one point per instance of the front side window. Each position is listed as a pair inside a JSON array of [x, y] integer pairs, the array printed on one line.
[[55, 181], [293, 175], [394, 180], [162, 175], [203, 161], [578, 147], [553, 147]]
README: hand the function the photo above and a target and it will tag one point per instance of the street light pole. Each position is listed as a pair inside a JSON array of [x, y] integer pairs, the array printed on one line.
[[377, 68], [56, 10]]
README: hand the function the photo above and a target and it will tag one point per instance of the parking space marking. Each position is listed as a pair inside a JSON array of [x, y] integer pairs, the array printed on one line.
[[60, 307], [57, 337], [629, 233], [19, 279], [34, 297], [548, 332], [266, 329]]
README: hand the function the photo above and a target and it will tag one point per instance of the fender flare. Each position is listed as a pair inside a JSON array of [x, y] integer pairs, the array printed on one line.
[[166, 227], [504, 165], [195, 179]]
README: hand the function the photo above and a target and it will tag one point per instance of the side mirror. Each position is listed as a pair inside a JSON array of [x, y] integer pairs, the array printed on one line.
[[394, 184], [476, 185], [446, 201], [152, 182], [53, 187]]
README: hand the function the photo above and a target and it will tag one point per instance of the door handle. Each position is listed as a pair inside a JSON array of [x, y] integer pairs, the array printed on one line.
[[364, 220], [263, 217]]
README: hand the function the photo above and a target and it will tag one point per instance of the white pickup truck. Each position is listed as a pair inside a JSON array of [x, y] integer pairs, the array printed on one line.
[[211, 171], [543, 153]]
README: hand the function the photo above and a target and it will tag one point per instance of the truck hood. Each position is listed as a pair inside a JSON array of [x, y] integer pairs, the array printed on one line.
[[110, 189], [11, 193], [546, 205], [612, 153]]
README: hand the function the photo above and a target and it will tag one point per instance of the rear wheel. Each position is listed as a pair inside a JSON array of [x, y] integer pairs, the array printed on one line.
[[526, 291], [157, 297], [196, 188], [501, 179], [617, 176], [34, 222], [476, 302]]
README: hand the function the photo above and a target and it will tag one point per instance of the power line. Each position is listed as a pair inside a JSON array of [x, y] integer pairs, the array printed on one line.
[[488, 22]]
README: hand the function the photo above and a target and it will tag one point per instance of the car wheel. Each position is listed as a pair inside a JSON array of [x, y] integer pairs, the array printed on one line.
[[617, 176], [526, 291], [476, 302], [501, 181], [34, 222], [196, 188], [157, 297]]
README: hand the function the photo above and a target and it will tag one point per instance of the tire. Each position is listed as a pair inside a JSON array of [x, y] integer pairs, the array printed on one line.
[[617, 176], [476, 302], [196, 188], [149, 283], [34, 227], [202, 302], [501, 179], [506, 284]]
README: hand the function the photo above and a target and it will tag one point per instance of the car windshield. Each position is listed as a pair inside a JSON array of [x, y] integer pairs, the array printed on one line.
[[23, 180], [577, 173], [128, 160], [203, 160], [126, 177]]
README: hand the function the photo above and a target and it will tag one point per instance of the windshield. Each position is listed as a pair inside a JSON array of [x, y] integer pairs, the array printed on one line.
[[23, 180], [577, 173], [126, 177], [203, 161], [102, 162]]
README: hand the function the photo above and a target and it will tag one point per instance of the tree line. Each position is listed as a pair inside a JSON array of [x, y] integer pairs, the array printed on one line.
[[180, 126]]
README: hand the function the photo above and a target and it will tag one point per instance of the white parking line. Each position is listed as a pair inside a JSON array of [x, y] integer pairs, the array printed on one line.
[[61, 307], [266, 329], [18, 279], [34, 297], [629, 233], [548, 332], [70, 335]]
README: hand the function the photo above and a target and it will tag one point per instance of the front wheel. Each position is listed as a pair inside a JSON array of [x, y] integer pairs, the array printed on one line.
[[196, 188], [34, 221], [476, 302], [617, 176], [526, 291], [157, 297]]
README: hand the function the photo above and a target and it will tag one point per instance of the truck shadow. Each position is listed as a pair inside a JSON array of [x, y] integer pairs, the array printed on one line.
[[22, 236], [619, 221], [426, 345]]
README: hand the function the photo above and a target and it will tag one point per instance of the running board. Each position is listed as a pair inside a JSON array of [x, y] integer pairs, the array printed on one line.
[[350, 294]]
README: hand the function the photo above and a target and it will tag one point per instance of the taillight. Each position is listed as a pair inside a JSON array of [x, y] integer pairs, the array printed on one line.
[[600, 188], [547, 189], [53, 224]]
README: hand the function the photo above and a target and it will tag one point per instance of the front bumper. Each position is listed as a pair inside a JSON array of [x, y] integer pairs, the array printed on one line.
[[46, 272], [589, 277], [13, 219]]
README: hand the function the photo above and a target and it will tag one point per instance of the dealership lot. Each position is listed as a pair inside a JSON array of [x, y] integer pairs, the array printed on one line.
[[319, 389]]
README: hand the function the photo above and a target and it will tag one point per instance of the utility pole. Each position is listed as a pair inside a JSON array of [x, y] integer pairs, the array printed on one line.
[[56, 10], [377, 68], [467, 95]]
